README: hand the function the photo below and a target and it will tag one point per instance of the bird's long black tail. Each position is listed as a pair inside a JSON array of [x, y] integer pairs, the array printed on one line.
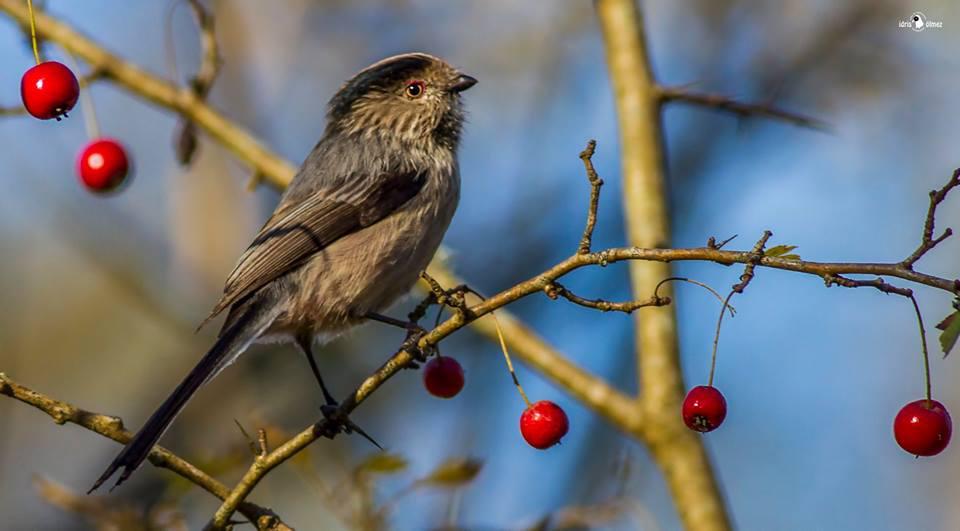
[[233, 339]]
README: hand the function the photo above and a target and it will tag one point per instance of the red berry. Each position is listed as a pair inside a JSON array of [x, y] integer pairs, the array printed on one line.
[[704, 408], [543, 424], [49, 90], [103, 165], [923, 428], [443, 377]]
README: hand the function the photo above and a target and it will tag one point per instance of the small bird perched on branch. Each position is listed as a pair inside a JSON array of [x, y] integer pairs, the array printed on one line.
[[362, 218]]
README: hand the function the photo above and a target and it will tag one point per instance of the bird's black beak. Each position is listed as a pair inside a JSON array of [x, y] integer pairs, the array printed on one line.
[[462, 83]]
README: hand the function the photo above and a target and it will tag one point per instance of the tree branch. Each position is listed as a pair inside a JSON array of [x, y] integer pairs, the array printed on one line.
[[595, 183], [185, 145], [270, 168], [927, 241], [678, 451], [266, 166], [112, 428], [653, 419], [724, 103], [556, 289]]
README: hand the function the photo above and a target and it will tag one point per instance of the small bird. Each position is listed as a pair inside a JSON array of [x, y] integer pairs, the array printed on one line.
[[358, 224]]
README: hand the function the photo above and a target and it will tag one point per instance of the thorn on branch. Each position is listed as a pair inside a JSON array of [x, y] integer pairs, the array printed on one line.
[[595, 183], [554, 290], [712, 242], [743, 110], [927, 241]]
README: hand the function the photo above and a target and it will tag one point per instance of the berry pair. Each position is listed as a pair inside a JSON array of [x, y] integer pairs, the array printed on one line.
[[49, 91], [922, 427], [542, 423]]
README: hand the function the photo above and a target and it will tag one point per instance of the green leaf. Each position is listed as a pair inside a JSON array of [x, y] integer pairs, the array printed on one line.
[[452, 473], [383, 463], [782, 251], [951, 331]]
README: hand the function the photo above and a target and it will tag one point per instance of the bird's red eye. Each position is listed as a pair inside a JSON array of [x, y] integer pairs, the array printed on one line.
[[415, 89]]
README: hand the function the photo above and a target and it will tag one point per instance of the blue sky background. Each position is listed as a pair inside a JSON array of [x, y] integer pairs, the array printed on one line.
[[102, 293]]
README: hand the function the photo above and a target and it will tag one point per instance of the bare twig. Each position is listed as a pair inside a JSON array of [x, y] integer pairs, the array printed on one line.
[[185, 144], [927, 240], [756, 254], [555, 289], [723, 103], [877, 283], [595, 183], [112, 428]]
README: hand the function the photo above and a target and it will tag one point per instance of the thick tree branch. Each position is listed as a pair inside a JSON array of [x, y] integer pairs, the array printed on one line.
[[678, 451], [112, 428]]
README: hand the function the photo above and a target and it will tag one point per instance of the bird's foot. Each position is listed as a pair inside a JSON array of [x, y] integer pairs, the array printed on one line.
[[411, 345], [336, 422]]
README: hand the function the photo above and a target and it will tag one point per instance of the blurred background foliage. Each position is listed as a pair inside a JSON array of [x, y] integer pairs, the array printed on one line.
[[101, 295]]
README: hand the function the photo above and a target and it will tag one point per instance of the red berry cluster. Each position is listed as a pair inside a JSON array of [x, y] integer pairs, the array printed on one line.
[[922, 427], [542, 424], [50, 90]]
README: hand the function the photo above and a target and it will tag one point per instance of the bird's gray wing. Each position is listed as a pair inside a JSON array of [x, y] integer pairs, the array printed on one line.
[[293, 234]]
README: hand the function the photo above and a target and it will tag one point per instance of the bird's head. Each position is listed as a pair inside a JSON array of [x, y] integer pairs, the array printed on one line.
[[412, 97]]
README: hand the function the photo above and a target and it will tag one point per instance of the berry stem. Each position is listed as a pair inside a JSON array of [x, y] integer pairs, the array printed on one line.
[[506, 356], [733, 310], [716, 338], [33, 33], [923, 345], [90, 123]]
